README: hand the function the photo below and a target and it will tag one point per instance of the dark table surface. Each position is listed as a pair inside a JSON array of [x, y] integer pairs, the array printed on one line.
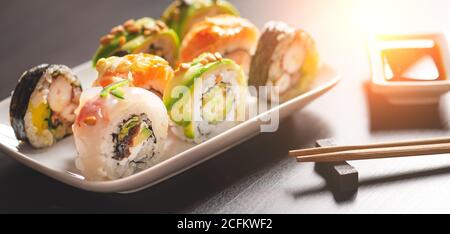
[[257, 176]]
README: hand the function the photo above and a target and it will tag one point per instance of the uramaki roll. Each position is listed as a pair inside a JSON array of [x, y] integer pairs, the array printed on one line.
[[181, 15], [233, 37], [119, 130], [286, 58], [206, 97], [145, 35], [142, 70]]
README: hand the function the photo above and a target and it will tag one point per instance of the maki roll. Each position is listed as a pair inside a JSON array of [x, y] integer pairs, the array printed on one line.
[[119, 130], [145, 35], [233, 37], [43, 104], [286, 59], [181, 15], [142, 70], [206, 97]]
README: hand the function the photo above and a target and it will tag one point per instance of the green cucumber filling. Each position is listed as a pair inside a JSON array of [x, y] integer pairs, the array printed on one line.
[[217, 103], [114, 89], [198, 72], [133, 132]]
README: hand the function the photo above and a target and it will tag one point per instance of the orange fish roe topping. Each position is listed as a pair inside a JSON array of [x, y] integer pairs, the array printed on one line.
[[144, 70], [222, 33]]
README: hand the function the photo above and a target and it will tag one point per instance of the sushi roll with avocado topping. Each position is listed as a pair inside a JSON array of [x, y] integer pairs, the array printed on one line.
[[206, 97], [119, 130], [43, 104], [142, 70], [233, 37], [286, 59], [181, 15], [144, 35]]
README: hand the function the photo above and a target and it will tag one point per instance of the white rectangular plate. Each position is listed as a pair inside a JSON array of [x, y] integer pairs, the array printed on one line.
[[58, 161]]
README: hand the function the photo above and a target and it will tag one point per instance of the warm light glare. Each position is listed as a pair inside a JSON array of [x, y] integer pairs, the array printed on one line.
[[404, 44], [393, 16], [375, 17]]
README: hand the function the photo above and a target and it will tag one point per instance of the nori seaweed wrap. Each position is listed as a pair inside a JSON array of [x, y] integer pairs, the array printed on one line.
[[286, 59], [43, 104]]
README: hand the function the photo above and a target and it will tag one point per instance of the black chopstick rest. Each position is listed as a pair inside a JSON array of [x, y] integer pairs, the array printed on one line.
[[341, 177]]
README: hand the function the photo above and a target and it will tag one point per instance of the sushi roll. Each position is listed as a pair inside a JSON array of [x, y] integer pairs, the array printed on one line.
[[287, 59], [233, 37], [142, 70], [206, 97], [119, 130], [43, 104], [145, 35], [181, 15]]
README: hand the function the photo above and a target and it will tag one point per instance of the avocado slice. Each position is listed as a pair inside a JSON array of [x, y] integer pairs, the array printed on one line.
[[110, 49], [189, 131], [137, 42], [143, 135], [181, 15], [127, 126]]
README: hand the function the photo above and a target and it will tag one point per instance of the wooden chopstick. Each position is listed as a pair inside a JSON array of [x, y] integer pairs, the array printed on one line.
[[376, 153], [331, 149]]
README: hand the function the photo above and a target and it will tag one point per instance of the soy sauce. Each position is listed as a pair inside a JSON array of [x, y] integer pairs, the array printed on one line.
[[412, 60]]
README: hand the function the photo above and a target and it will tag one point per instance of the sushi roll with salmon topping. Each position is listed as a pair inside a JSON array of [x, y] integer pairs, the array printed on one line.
[[233, 37], [145, 35], [286, 59], [181, 15], [119, 130], [142, 70], [43, 104], [206, 97]]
